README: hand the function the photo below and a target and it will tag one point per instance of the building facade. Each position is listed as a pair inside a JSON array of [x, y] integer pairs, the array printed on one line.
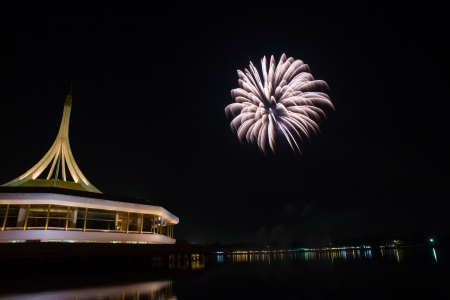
[[59, 210]]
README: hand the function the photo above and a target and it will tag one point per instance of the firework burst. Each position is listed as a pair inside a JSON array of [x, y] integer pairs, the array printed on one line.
[[284, 102]]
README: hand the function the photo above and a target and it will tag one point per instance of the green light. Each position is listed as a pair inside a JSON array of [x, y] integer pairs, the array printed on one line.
[[431, 240]]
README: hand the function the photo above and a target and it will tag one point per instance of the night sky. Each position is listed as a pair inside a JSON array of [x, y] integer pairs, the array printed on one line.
[[151, 83]]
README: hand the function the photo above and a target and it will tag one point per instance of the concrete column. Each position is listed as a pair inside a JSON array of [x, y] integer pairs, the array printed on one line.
[[21, 216], [141, 223], [154, 224], [73, 217], [164, 228], [138, 223], [116, 223]]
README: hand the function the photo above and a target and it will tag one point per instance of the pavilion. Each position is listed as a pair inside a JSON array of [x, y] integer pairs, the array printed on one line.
[[55, 209]]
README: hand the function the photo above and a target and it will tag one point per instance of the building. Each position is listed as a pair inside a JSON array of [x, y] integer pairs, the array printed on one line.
[[55, 209]]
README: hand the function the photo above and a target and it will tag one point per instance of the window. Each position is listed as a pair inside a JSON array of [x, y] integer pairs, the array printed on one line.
[[37, 216], [13, 214], [72, 217], [58, 216], [101, 219], [135, 222], [3, 209], [80, 217], [148, 223], [122, 221]]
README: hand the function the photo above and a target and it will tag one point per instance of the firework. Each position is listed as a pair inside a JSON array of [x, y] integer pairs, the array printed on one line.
[[284, 102]]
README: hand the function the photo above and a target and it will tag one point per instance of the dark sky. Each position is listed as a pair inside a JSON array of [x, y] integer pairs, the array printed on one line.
[[151, 83]]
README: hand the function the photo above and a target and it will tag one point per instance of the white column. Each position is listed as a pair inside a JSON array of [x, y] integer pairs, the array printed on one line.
[[73, 217], [21, 216]]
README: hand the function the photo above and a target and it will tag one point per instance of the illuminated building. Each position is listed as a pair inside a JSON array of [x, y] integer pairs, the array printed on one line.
[[58, 210]]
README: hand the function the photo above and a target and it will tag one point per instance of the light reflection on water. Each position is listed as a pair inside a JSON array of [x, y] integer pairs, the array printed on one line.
[[331, 256], [157, 290], [295, 256], [288, 269]]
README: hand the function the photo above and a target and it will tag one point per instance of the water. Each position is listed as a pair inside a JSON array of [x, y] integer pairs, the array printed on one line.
[[414, 273]]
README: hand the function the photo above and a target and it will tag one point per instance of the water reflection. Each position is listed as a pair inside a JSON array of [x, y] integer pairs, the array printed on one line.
[[338, 255], [248, 257], [157, 290], [192, 265], [398, 255]]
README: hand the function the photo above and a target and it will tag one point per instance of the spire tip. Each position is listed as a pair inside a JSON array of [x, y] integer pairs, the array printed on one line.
[[68, 101]]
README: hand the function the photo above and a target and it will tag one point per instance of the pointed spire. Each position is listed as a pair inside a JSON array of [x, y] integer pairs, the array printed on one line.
[[59, 155], [68, 101]]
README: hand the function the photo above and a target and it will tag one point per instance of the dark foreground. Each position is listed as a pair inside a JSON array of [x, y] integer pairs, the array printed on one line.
[[420, 273]]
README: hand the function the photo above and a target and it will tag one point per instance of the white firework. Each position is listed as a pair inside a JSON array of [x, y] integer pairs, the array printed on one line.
[[284, 102]]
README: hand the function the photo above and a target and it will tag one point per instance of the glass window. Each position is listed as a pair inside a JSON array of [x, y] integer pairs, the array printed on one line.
[[135, 222], [13, 214], [164, 227], [37, 216], [73, 217], [158, 225], [101, 219], [58, 216], [122, 221], [148, 223], [80, 218], [3, 208]]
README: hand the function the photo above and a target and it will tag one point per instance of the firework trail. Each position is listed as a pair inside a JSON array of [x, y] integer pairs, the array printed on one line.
[[284, 102]]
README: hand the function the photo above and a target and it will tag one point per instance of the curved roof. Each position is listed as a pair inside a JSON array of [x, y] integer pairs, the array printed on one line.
[[51, 183]]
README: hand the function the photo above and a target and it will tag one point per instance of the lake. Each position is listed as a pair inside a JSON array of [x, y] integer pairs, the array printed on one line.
[[414, 273]]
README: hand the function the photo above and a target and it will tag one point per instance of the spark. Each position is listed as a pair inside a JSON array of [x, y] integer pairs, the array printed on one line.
[[283, 102]]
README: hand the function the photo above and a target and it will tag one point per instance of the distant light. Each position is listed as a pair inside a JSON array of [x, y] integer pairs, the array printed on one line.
[[431, 240]]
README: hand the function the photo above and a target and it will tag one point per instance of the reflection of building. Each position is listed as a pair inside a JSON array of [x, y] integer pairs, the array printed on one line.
[[58, 210], [157, 290]]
